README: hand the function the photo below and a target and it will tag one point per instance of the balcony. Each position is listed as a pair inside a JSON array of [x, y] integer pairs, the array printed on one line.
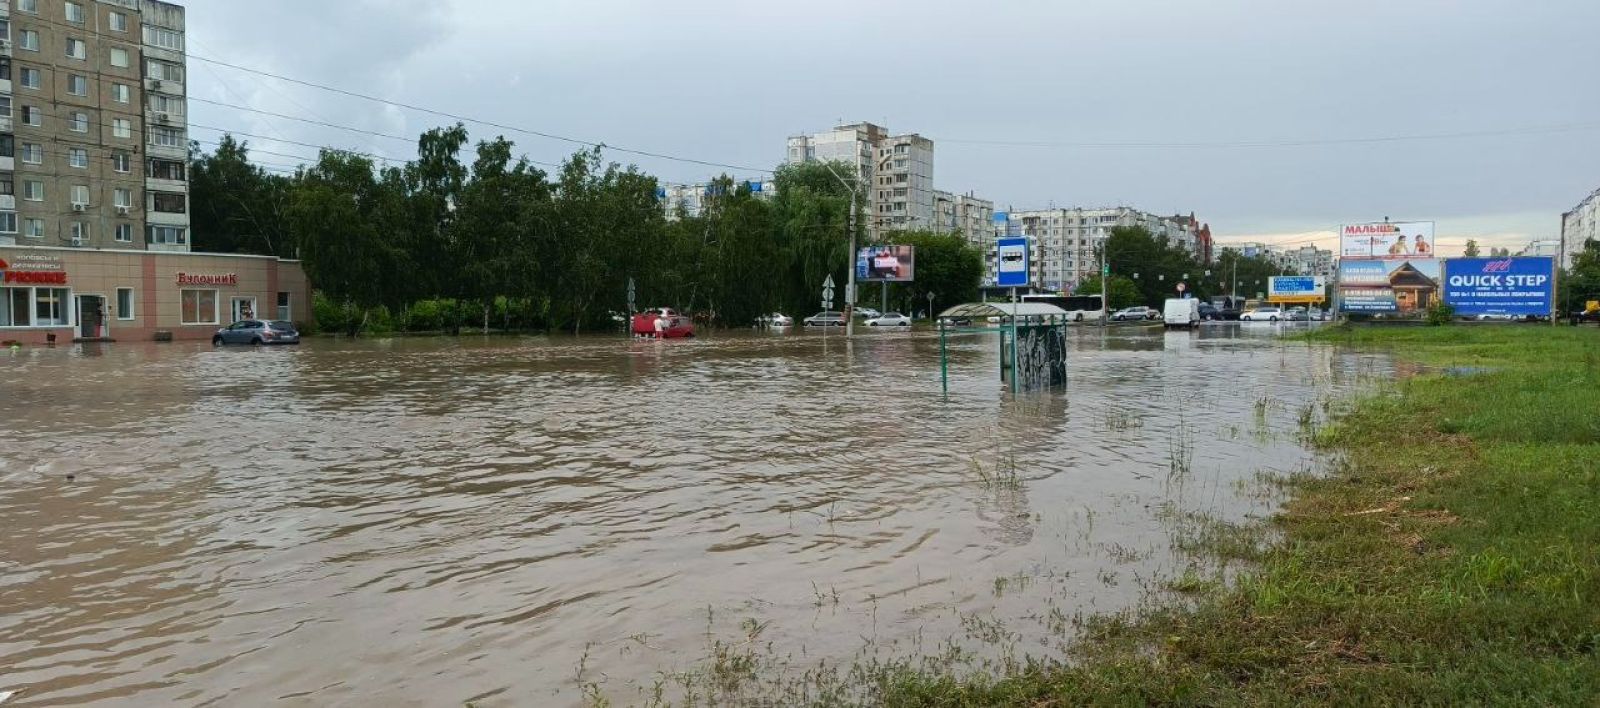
[[6, 124], [166, 86], [8, 164], [171, 152]]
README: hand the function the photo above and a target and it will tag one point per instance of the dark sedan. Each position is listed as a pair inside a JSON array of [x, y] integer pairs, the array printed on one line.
[[257, 332]]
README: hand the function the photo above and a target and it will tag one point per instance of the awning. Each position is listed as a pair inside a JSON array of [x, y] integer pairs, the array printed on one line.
[[975, 310]]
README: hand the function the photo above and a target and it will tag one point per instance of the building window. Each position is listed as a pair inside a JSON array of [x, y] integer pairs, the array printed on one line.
[[163, 38], [166, 169], [125, 232], [171, 235], [75, 13], [35, 307], [80, 232], [76, 49], [119, 57], [125, 303], [30, 6], [29, 40], [166, 104], [80, 195], [78, 157], [168, 202], [119, 22], [121, 93], [79, 122], [77, 85], [122, 197], [32, 116], [162, 71], [33, 228], [8, 222], [121, 128], [166, 137], [29, 77], [33, 153], [285, 312], [199, 306], [121, 162], [33, 190]]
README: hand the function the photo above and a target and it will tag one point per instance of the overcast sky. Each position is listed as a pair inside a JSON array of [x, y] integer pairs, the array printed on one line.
[[1262, 117]]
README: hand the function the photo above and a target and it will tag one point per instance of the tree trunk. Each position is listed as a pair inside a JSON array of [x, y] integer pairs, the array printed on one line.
[[486, 318]]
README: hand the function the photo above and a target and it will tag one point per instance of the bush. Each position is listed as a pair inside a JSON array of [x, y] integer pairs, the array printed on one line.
[[1440, 314]]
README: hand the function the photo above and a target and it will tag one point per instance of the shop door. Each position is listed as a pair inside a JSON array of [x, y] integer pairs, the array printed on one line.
[[244, 308], [91, 316]]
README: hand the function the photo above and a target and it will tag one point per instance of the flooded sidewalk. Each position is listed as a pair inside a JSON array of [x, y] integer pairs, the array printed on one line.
[[515, 521]]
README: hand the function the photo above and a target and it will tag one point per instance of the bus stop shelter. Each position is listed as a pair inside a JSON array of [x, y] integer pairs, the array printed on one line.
[[1033, 340]]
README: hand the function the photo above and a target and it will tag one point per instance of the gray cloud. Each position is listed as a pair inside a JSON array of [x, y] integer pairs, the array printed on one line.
[[729, 81]]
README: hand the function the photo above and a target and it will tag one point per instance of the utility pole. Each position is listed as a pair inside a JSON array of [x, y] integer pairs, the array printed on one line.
[[1555, 280], [1105, 286], [850, 282]]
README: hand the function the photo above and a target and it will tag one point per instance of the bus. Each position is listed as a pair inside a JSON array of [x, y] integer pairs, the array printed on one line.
[[1080, 308]]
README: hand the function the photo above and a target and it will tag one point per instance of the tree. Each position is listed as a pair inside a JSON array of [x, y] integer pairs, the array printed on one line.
[[235, 206], [1581, 282], [339, 212], [1124, 293], [1154, 265], [946, 265], [1472, 248]]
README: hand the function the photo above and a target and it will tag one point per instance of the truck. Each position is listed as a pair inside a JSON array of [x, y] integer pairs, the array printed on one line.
[[1181, 312]]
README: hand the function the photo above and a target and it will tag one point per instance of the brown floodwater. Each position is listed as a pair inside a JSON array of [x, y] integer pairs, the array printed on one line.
[[505, 520]]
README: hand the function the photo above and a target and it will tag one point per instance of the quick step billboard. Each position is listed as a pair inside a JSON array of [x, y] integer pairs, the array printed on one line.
[[1499, 286]]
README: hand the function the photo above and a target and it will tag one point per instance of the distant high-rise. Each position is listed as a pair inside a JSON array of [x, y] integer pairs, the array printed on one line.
[[895, 172], [93, 134], [1580, 225]]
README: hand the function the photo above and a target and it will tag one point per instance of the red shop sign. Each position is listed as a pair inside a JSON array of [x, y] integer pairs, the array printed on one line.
[[219, 279], [33, 277]]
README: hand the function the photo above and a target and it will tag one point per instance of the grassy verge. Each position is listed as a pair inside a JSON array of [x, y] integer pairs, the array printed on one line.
[[1453, 559]]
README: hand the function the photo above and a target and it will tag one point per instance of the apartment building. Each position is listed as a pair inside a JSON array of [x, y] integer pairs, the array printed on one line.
[[1579, 225], [93, 146], [965, 214], [1065, 243], [1308, 260], [692, 199], [895, 172]]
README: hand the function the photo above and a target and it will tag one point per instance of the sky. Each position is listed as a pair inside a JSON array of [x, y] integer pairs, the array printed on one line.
[[1271, 120]]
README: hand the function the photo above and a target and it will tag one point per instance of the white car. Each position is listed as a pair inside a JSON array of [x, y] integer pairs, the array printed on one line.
[[867, 312], [777, 319], [890, 319], [1263, 314]]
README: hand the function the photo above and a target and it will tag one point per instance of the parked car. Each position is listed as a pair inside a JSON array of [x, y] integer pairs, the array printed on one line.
[[1297, 314], [889, 319], [1209, 311], [1135, 313], [1262, 314], [867, 312], [1316, 313], [257, 332], [1181, 312], [1497, 316], [776, 319], [827, 318]]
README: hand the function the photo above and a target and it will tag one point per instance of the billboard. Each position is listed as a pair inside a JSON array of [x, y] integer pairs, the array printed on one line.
[[1499, 286], [895, 264], [1296, 288], [1399, 239], [1393, 286], [1011, 262]]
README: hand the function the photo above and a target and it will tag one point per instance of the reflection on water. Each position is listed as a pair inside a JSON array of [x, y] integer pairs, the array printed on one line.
[[433, 520]]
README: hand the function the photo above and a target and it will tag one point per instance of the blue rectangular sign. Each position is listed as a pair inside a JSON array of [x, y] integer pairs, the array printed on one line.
[[1499, 286], [1011, 262]]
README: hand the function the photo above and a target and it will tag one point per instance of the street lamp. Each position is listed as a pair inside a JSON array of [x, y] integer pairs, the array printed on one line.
[[850, 277]]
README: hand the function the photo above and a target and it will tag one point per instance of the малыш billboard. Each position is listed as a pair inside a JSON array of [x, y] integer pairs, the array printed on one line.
[[1011, 262], [1499, 286], [886, 263], [1388, 286], [1399, 239], [1296, 288]]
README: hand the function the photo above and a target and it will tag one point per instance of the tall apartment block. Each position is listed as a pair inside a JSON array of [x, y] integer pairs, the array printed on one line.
[[1065, 243], [93, 138], [895, 171], [967, 215]]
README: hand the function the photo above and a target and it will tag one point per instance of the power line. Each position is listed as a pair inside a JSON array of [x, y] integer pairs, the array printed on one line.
[[1303, 142], [480, 121]]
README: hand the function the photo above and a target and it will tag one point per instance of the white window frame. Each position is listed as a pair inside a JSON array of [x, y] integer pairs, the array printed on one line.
[[79, 231], [27, 228], [27, 191], [284, 312], [122, 197], [78, 158], [28, 39], [32, 116], [24, 72], [29, 6], [160, 136], [9, 223], [154, 37], [132, 310], [181, 235], [68, 12], [122, 229], [73, 122], [118, 22], [216, 299], [73, 79], [78, 44], [74, 192], [121, 162], [121, 93], [36, 151], [123, 52], [121, 128]]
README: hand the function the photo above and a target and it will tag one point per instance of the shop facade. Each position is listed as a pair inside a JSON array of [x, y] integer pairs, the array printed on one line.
[[66, 294]]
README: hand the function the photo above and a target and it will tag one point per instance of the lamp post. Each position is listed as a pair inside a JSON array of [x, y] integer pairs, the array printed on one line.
[[850, 277]]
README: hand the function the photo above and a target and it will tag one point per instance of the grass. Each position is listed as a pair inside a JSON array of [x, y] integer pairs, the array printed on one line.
[[1452, 559]]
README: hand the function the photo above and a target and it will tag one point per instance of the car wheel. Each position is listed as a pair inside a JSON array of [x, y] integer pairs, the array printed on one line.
[[905, 324], [216, 341], [1078, 318], [1272, 319], [872, 324], [255, 342]]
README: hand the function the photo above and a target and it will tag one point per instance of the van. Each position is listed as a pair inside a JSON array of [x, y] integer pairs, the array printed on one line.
[[1181, 312]]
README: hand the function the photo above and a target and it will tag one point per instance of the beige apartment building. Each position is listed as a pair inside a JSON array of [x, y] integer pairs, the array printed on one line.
[[93, 145]]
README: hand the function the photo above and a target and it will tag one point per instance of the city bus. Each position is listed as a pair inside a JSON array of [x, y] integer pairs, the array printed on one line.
[[1080, 308]]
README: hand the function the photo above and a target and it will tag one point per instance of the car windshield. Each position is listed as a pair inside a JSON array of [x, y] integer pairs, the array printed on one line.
[[282, 324], [888, 315]]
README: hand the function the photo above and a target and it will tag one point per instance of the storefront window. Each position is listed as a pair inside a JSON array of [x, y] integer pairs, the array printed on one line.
[[50, 307], [199, 306], [14, 309]]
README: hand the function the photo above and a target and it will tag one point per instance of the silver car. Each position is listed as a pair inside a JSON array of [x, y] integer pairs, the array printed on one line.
[[257, 332]]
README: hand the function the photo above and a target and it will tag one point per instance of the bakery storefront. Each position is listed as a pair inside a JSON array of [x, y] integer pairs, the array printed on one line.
[[66, 294]]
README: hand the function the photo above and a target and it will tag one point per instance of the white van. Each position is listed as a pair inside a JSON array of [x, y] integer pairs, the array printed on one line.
[[1181, 312]]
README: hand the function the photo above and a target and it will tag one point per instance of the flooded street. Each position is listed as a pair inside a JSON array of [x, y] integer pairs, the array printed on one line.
[[505, 520]]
